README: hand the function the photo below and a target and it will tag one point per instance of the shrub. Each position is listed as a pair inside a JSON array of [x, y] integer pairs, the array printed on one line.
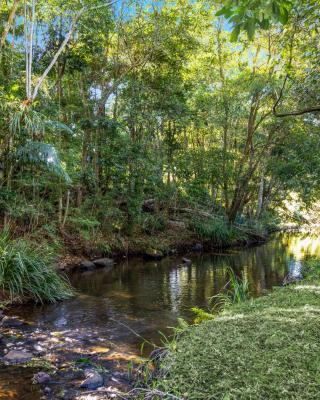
[[216, 230], [26, 273]]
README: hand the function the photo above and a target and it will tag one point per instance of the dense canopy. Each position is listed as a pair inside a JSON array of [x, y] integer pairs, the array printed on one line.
[[109, 106]]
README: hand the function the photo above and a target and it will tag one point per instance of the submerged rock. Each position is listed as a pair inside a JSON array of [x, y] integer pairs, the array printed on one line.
[[93, 380], [11, 322], [103, 262], [39, 349], [87, 266], [41, 377], [17, 357], [197, 247], [47, 390], [153, 254]]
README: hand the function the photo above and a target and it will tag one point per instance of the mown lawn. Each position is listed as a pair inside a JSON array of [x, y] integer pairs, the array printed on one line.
[[268, 348]]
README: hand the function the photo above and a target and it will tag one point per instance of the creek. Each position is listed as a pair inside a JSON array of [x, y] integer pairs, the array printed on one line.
[[116, 308]]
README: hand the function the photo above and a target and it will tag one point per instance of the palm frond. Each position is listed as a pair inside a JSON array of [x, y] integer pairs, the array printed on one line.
[[41, 153], [57, 125]]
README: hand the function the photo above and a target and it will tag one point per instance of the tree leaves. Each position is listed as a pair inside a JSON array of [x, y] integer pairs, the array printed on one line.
[[249, 15]]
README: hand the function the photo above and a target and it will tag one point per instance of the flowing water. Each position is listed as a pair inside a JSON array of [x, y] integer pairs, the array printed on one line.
[[138, 299]]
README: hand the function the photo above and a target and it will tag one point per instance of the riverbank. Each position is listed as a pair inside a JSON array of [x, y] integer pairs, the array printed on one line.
[[175, 239], [267, 348]]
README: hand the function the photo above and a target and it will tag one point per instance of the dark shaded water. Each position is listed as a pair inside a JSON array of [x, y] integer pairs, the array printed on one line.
[[148, 297]]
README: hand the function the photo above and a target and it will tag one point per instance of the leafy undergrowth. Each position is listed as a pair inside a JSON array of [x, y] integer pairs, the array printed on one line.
[[267, 348]]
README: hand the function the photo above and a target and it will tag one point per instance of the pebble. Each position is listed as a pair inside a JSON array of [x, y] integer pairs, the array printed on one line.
[[17, 356], [93, 380]]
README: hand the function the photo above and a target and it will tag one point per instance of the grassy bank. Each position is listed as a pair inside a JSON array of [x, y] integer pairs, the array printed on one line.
[[266, 348]]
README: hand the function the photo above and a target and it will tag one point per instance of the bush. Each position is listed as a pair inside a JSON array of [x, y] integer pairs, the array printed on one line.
[[153, 223], [216, 230], [26, 274]]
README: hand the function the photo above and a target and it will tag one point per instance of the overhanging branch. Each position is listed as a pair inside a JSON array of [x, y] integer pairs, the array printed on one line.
[[291, 113]]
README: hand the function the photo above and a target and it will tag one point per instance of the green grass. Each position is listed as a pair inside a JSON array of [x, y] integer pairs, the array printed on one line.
[[236, 291], [266, 348], [26, 273]]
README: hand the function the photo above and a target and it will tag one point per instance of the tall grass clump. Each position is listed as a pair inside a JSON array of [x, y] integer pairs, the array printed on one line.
[[26, 273], [237, 291], [216, 230]]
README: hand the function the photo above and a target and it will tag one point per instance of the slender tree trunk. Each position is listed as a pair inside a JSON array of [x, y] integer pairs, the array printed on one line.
[[225, 124], [66, 212], [260, 197], [9, 23]]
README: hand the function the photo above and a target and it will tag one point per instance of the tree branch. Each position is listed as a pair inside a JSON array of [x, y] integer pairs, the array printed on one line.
[[291, 113], [298, 112], [56, 56], [62, 47]]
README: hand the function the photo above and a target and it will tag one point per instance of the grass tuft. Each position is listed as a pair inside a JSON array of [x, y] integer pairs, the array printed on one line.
[[26, 273], [237, 290]]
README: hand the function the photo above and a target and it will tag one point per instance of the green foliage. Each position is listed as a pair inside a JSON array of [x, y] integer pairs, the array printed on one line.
[[86, 227], [249, 15], [201, 315], [216, 229], [152, 224], [26, 273], [154, 104], [237, 290], [311, 270], [36, 153]]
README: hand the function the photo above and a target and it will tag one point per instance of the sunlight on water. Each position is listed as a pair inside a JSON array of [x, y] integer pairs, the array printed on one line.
[[303, 246]]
